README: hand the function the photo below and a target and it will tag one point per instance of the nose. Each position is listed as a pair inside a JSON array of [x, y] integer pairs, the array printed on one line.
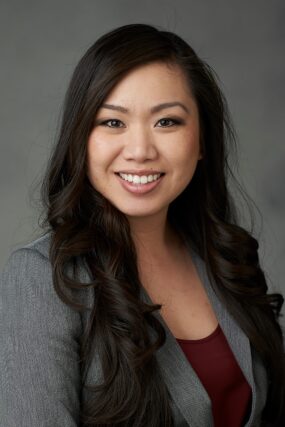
[[140, 146]]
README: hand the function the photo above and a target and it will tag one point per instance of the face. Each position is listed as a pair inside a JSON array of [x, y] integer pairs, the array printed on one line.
[[141, 156]]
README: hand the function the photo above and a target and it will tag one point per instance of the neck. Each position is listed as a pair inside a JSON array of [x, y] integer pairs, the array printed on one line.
[[153, 236], [159, 249]]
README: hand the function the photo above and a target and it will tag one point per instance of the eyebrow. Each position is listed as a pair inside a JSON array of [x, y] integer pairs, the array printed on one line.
[[154, 109]]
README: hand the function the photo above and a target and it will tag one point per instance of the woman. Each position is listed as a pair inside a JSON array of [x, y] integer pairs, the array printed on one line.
[[144, 304]]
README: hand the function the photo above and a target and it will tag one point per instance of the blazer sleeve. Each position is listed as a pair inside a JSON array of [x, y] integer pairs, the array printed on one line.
[[39, 347]]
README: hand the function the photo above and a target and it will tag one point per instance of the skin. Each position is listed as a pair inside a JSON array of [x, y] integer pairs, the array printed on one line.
[[142, 140]]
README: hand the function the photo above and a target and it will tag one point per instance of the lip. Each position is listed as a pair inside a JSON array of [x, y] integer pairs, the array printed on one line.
[[140, 172], [139, 189]]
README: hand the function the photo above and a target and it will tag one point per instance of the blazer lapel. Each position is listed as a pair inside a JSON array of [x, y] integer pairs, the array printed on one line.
[[237, 339], [185, 388]]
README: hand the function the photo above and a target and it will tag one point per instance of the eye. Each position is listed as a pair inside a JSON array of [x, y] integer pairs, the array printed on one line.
[[165, 119], [112, 121], [168, 119]]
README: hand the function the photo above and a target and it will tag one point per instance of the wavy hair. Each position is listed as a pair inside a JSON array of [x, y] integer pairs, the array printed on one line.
[[85, 226]]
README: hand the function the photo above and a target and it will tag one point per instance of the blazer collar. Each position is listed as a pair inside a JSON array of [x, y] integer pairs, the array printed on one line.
[[185, 388]]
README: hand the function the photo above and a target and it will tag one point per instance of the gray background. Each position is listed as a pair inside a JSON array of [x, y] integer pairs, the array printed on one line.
[[244, 41]]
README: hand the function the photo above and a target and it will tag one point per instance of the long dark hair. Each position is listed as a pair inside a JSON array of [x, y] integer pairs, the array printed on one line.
[[85, 226]]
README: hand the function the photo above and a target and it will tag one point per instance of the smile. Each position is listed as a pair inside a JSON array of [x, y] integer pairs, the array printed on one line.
[[142, 180], [139, 185]]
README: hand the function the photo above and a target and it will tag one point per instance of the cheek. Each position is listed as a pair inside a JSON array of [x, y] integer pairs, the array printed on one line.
[[186, 151], [100, 150], [96, 156], [184, 161]]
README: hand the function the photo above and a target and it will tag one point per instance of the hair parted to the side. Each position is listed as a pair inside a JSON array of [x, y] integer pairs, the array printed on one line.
[[86, 226]]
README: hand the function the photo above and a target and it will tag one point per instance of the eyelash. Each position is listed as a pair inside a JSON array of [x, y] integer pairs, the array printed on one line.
[[175, 121]]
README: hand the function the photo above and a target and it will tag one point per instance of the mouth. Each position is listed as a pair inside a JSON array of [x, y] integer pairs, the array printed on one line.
[[140, 185], [140, 178]]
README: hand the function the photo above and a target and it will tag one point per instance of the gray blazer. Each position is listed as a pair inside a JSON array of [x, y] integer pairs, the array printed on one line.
[[40, 381]]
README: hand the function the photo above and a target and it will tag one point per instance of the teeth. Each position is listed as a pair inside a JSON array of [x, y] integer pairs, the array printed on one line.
[[139, 179]]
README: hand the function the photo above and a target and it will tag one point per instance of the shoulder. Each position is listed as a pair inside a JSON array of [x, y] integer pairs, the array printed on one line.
[[28, 295], [27, 276], [28, 269], [40, 245], [26, 279], [29, 260], [35, 253]]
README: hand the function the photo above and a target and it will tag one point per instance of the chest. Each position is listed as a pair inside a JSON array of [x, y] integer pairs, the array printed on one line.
[[186, 308]]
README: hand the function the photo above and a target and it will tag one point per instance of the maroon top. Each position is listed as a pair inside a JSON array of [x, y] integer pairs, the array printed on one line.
[[214, 363]]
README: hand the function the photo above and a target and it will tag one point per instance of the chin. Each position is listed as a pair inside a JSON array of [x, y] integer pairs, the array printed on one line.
[[137, 212]]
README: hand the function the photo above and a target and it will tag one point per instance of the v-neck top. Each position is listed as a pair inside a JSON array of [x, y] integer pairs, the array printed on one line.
[[213, 361]]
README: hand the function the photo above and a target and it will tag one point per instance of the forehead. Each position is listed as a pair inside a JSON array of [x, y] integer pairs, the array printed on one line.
[[150, 84]]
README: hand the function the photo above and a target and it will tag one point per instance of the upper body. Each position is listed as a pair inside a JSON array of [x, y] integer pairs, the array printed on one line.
[[124, 197], [41, 384]]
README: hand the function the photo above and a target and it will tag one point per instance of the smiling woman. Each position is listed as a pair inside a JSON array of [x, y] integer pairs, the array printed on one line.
[[144, 303], [142, 156]]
